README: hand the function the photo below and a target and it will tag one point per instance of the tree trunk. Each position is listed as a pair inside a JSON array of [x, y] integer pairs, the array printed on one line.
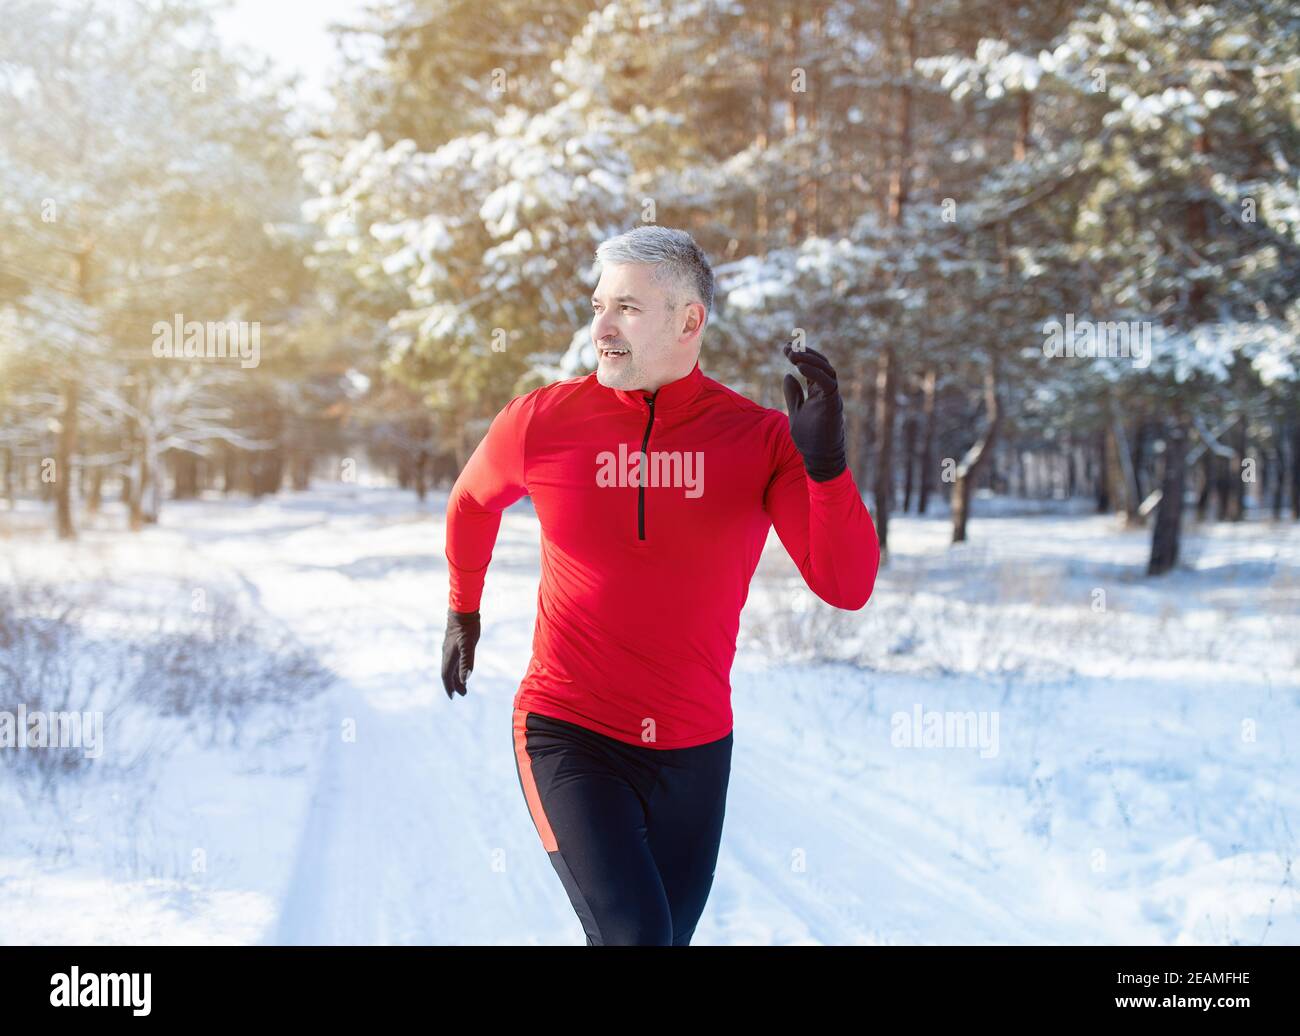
[[900, 189], [8, 482], [850, 392], [900, 184], [975, 456], [67, 443], [139, 486], [793, 211], [927, 439], [185, 473], [1295, 469], [151, 491], [1237, 500], [763, 103], [301, 470], [1103, 475], [857, 423], [886, 397], [229, 470], [1207, 480], [1223, 487], [421, 474], [63, 460], [1025, 120], [1139, 460], [96, 495], [1129, 498], [814, 182], [268, 471], [909, 454], [1165, 536], [1279, 479]]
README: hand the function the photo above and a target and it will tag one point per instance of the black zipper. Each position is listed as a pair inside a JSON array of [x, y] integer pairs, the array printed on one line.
[[645, 472]]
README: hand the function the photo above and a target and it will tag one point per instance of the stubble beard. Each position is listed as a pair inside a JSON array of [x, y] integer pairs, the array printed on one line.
[[625, 376]]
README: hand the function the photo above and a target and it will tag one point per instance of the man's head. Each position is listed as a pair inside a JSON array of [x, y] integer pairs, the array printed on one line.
[[653, 299]]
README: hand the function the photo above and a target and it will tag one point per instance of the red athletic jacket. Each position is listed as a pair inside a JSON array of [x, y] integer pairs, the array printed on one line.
[[642, 585]]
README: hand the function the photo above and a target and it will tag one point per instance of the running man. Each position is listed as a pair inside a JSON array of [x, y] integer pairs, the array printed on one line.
[[655, 487]]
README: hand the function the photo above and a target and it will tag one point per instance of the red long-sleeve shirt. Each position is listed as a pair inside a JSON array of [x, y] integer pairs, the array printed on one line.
[[642, 586]]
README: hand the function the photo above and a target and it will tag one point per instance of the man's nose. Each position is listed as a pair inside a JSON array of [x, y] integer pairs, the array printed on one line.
[[604, 327]]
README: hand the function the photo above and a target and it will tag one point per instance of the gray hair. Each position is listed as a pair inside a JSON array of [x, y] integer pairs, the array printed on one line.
[[679, 265]]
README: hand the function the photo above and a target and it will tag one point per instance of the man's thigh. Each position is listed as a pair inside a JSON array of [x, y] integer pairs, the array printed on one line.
[[592, 823], [684, 828]]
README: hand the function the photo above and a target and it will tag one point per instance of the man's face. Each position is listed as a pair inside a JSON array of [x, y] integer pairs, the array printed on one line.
[[630, 312]]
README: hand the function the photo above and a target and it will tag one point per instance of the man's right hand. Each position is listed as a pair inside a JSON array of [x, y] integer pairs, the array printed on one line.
[[458, 650]]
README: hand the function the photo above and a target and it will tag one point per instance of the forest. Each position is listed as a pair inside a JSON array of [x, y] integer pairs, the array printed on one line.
[[969, 206]]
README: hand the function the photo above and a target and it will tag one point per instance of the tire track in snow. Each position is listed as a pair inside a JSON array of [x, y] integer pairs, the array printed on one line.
[[404, 840]]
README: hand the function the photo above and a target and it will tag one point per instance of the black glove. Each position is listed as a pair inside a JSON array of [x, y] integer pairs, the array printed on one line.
[[816, 423], [458, 650]]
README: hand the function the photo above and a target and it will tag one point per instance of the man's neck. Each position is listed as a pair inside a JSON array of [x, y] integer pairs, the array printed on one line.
[[655, 386]]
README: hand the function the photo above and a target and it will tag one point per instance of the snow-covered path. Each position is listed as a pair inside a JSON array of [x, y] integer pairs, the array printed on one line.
[[416, 831], [1121, 806]]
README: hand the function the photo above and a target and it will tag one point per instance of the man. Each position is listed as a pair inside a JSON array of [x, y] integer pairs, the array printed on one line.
[[655, 487]]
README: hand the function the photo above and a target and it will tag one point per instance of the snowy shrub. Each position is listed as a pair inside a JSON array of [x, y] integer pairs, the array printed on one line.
[[793, 624], [988, 619], [49, 665], [208, 671], [219, 665]]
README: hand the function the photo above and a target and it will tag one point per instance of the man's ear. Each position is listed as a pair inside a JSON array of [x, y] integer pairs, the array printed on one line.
[[696, 310]]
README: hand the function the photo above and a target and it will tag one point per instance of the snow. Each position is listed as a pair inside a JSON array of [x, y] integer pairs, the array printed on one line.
[[1142, 789]]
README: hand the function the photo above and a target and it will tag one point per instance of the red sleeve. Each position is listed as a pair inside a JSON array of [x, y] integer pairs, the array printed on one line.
[[824, 526], [493, 479]]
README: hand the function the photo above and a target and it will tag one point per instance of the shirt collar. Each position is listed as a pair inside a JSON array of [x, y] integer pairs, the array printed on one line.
[[672, 396]]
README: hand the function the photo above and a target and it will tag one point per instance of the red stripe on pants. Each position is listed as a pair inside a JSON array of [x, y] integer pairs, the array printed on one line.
[[530, 785]]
